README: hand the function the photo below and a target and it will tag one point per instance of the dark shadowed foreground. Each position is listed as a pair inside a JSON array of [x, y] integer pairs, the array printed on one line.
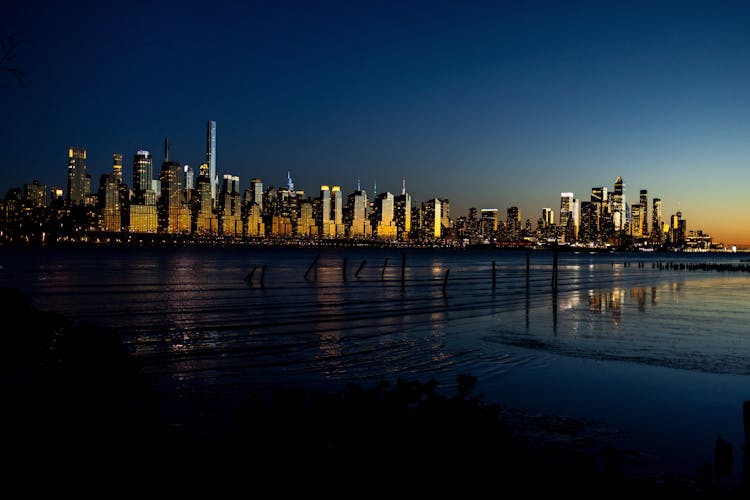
[[78, 416]]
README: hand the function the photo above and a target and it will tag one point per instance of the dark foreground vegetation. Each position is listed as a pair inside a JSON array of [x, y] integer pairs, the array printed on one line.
[[78, 416]]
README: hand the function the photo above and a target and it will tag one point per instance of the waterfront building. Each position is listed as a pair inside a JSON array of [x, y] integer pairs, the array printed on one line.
[[644, 212], [513, 223], [431, 219], [35, 195], [548, 217], [169, 203], [327, 228], [79, 184], [143, 174], [488, 222], [255, 224], [384, 210], [619, 203], [657, 222], [110, 192], [357, 220], [206, 221], [211, 160], [636, 220], [189, 178], [566, 216], [229, 209], [588, 231], [402, 212], [306, 226]]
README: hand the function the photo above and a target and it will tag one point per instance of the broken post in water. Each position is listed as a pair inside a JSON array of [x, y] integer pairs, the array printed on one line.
[[262, 275], [312, 264], [356, 275], [494, 274], [445, 281], [382, 273], [249, 276], [554, 267]]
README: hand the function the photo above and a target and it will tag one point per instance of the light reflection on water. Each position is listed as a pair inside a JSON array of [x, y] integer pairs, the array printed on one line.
[[190, 317]]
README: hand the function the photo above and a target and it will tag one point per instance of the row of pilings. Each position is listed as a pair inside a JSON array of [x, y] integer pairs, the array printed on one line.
[[312, 270], [311, 274], [701, 266]]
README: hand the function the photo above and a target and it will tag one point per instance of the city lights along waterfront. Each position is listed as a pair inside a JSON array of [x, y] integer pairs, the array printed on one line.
[[197, 206]]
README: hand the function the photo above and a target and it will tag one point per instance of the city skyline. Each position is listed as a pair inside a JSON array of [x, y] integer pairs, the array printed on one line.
[[489, 105], [176, 203]]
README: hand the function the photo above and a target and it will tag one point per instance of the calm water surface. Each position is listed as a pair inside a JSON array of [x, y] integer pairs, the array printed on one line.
[[662, 355]]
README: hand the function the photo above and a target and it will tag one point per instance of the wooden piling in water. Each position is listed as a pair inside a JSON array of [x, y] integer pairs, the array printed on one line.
[[313, 264], [445, 281], [356, 275], [249, 276], [554, 268], [262, 275], [528, 263], [382, 272], [343, 269], [403, 270]]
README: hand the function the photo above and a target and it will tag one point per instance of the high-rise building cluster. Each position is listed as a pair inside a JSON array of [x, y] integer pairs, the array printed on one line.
[[175, 201], [605, 220]]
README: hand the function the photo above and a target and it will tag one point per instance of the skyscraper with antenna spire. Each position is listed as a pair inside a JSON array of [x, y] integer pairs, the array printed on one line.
[[402, 212]]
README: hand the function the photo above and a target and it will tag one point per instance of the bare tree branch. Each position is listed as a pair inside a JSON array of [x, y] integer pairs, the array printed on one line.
[[8, 47]]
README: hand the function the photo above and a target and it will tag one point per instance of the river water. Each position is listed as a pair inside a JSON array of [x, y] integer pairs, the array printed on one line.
[[662, 356]]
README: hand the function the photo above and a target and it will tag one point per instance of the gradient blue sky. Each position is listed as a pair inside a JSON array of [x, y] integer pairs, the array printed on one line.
[[490, 104]]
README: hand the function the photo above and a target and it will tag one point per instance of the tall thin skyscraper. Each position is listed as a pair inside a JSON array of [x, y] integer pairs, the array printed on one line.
[[211, 158], [77, 176], [656, 221], [619, 203], [644, 212], [143, 174], [117, 166], [171, 196]]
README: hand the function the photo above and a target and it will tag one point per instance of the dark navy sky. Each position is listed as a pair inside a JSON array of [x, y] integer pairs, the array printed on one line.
[[490, 104]]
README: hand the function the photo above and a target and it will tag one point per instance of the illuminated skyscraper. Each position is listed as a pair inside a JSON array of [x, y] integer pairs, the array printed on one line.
[[325, 212], [488, 222], [402, 212], [169, 203], [357, 218], [599, 198], [189, 178], [588, 231], [230, 220], [384, 207], [548, 217], [431, 218], [513, 221], [110, 192], [619, 211], [636, 220], [644, 212], [656, 222], [338, 210], [206, 221], [256, 192], [117, 166], [143, 173], [211, 159], [77, 190]]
